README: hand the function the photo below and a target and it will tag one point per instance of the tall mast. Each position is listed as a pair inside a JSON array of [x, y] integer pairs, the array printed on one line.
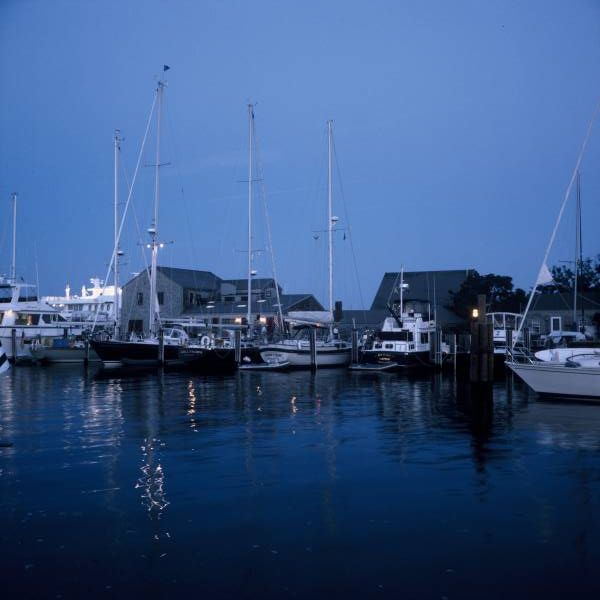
[[13, 266], [153, 230], [117, 141], [250, 152], [580, 238], [577, 242], [330, 220]]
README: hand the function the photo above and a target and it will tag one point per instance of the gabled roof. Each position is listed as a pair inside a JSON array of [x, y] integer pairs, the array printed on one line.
[[192, 279], [421, 286], [564, 301], [261, 283]]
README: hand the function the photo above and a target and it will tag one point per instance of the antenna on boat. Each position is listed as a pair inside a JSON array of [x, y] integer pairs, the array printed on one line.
[[13, 266], [401, 290]]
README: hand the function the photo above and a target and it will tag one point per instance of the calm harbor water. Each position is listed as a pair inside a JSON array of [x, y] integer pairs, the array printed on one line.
[[274, 485]]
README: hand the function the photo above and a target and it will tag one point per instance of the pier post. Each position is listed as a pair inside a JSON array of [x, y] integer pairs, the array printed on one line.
[[509, 344], [237, 340], [161, 347], [354, 346], [86, 356], [482, 346], [13, 335], [313, 348]]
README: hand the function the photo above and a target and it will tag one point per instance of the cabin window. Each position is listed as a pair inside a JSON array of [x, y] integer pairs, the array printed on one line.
[[47, 318], [161, 298], [268, 293], [555, 324], [140, 298], [5, 293], [389, 346], [425, 338]]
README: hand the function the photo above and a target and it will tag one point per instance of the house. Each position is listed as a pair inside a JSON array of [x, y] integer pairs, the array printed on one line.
[[202, 296], [554, 312]]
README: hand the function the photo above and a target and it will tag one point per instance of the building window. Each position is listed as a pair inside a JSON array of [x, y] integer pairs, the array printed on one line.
[[135, 325], [140, 298], [555, 324], [424, 338], [268, 293], [536, 326], [161, 298], [191, 298]]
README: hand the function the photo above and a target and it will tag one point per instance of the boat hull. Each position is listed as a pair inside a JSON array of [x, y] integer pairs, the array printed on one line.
[[299, 357], [395, 360], [117, 353], [64, 355], [559, 380]]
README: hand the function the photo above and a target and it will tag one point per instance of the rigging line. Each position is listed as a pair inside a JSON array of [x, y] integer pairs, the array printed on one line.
[[558, 220], [342, 193], [263, 192], [129, 196]]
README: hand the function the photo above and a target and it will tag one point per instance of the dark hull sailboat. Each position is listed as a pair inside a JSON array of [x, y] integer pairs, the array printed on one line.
[[114, 353]]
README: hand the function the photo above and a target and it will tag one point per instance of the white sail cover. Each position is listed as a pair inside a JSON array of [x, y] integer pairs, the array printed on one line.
[[310, 317]]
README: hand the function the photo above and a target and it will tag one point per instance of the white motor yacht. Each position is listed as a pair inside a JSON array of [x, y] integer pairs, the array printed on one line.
[[25, 320]]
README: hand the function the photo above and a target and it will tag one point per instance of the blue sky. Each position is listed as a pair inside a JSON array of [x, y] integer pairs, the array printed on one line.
[[457, 126]]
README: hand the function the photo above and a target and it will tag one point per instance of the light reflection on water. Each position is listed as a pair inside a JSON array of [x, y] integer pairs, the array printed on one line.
[[275, 485]]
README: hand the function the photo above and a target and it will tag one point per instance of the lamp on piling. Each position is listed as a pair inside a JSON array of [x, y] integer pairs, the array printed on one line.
[[475, 313]]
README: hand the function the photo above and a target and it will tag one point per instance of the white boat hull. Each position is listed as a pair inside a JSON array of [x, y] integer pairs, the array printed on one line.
[[298, 356], [559, 380]]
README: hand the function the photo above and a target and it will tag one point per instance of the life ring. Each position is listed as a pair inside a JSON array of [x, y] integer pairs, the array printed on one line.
[[205, 341]]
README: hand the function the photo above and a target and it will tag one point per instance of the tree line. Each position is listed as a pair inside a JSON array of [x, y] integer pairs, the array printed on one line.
[[502, 296]]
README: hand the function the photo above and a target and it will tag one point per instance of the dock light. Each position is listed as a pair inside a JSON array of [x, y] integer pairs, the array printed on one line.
[[261, 301], [253, 272], [241, 306], [238, 320], [263, 320], [475, 313], [161, 245]]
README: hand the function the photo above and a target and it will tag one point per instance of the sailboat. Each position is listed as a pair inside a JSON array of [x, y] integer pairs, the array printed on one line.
[[577, 372], [329, 352], [169, 346]]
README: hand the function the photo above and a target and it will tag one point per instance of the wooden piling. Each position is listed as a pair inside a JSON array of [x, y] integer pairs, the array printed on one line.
[[13, 336], [482, 346], [354, 346], [161, 347], [237, 337], [313, 348]]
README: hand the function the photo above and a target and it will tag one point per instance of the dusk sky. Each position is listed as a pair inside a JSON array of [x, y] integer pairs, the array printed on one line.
[[457, 126]]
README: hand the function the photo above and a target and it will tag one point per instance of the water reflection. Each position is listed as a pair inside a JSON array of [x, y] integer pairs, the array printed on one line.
[[279, 475]]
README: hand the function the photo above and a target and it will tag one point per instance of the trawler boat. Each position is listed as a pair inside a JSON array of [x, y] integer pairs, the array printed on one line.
[[403, 342], [25, 320]]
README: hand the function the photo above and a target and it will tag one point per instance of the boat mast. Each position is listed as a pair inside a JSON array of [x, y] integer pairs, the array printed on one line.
[[117, 141], [13, 266], [578, 252], [250, 152], [153, 230], [330, 219]]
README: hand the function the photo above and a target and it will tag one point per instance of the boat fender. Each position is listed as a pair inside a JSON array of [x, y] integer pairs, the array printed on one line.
[[299, 345], [205, 341]]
